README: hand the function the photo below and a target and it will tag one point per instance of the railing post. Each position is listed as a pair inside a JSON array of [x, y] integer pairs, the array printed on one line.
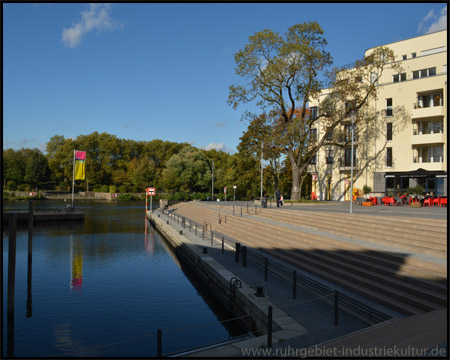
[[203, 232], [212, 237], [294, 285], [269, 327], [247, 208], [233, 209], [159, 342], [244, 256], [336, 308], [255, 208], [241, 210], [223, 243], [238, 250], [266, 268]]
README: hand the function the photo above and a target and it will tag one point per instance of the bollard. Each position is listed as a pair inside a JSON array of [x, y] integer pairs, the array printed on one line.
[[247, 208], [336, 308], [159, 342], [223, 243], [212, 237], [244, 256], [266, 268], [195, 230], [294, 285], [203, 232], [241, 210], [255, 208], [238, 250], [269, 327], [233, 209]]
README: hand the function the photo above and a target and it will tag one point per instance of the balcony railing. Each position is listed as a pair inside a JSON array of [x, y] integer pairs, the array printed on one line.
[[427, 159]]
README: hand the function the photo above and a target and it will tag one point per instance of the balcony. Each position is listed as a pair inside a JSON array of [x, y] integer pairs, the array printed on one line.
[[423, 112], [421, 139], [429, 163]]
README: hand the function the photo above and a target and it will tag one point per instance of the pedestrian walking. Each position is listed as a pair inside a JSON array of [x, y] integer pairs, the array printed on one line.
[[278, 196]]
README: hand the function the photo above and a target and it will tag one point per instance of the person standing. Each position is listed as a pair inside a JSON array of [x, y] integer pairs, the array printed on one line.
[[278, 196]]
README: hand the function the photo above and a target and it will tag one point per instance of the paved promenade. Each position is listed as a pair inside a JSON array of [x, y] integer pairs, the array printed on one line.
[[314, 313]]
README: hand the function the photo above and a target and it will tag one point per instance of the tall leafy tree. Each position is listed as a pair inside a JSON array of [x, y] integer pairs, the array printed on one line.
[[285, 73], [37, 169]]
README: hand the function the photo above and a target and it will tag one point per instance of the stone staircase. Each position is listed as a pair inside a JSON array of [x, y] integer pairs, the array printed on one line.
[[346, 250]]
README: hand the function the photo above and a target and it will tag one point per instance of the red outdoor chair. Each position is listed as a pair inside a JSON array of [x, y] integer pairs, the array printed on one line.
[[436, 201], [443, 201], [427, 202]]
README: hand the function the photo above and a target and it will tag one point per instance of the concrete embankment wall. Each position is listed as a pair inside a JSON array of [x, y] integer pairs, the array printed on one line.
[[217, 278]]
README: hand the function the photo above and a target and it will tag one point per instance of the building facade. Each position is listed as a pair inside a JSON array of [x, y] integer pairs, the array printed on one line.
[[410, 146]]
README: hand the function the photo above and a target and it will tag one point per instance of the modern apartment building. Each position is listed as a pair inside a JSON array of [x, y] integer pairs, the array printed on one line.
[[410, 145]]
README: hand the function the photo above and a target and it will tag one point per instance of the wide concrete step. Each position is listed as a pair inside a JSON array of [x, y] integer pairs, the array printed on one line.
[[362, 285], [433, 271], [361, 274], [333, 258], [401, 233]]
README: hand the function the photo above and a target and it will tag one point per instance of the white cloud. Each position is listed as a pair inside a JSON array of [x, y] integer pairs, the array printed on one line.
[[97, 17], [219, 147], [438, 22]]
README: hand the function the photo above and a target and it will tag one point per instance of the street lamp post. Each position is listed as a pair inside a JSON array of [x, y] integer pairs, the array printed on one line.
[[351, 164], [212, 185], [262, 145]]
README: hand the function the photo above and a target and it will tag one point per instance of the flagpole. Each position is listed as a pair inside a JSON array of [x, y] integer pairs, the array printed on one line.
[[73, 177]]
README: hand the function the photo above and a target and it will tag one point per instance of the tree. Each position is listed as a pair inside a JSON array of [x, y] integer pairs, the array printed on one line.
[[37, 169], [284, 74], [188, 170]]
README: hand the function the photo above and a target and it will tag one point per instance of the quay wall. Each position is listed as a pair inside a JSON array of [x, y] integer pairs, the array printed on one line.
[[217, 279]]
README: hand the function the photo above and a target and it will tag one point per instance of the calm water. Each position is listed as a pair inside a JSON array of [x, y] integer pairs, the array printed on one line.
[[103, 287]]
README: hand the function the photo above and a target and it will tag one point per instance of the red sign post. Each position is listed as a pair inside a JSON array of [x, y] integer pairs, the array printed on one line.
[[151, 192]]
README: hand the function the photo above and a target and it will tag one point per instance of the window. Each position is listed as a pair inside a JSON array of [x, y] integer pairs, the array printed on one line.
[[358, 79], [389, 131], [329, 156], [389, 111], [399, 77], [389, 157], [413, 55], [373, 78], [403, 57], [348, 157], [313, 135], [313, 112], [430, 100], [330, 135], [424, 73]]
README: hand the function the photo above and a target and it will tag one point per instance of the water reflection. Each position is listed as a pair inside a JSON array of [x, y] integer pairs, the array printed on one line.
[[76, 264], [149, 239]]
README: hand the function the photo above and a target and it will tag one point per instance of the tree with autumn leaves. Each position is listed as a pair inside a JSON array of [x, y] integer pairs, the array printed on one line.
[[284, 74]]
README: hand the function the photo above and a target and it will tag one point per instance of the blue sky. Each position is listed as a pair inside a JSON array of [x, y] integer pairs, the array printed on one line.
[[148, 71]]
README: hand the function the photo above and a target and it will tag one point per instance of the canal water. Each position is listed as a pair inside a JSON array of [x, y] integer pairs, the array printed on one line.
[[102, 288]]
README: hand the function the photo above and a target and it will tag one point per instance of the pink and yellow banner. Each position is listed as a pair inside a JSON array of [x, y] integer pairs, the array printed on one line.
[[80, 162]]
